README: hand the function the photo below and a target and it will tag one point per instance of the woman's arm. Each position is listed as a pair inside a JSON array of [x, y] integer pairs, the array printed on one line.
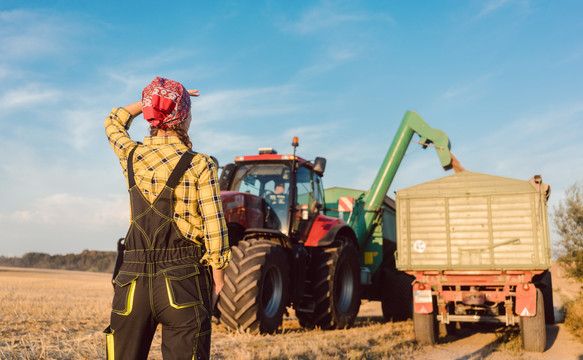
[[218, 283], [134, 109], [116, 125]]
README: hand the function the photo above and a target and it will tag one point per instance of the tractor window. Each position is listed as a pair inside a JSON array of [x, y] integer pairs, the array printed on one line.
[[310, 191], [269, 181], [307, 204], [250, 185], [305, 191], [319, 193]]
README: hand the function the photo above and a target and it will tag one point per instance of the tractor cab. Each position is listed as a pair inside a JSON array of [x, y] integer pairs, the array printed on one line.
[[283, 193]]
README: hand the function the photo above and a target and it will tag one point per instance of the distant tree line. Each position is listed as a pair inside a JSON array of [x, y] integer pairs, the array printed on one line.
[[88, 260]]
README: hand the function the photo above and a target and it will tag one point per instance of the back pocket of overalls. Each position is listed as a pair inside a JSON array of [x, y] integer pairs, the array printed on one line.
[[183, 286], [123, 298]]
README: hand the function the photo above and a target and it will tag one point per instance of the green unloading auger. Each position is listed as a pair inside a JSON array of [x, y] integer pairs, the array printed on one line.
[[366, 209]]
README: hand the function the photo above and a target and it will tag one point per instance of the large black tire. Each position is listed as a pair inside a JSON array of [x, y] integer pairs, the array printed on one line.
[[426, 328], [335, 287], [256, 287], [533, 329], [544, 282], [397, 296]]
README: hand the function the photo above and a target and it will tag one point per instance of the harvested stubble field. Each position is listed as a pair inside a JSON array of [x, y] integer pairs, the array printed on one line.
[[52, 314]]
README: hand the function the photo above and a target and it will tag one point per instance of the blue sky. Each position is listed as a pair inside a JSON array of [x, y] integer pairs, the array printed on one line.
[[503, 78]]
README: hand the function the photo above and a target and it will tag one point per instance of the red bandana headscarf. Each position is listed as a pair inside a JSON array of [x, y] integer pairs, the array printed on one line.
[[165, 103]]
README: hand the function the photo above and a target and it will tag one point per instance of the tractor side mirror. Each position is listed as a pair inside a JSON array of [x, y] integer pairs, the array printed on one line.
[[320, 166], [226, 176]]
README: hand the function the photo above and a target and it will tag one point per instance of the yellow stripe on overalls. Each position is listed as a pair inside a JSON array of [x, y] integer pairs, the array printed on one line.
[[171, 298]]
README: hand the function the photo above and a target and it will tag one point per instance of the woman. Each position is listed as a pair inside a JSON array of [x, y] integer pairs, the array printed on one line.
[[177, 231]]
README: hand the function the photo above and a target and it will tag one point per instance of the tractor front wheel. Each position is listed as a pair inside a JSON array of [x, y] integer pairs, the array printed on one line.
[[256, 287], [335, 287]]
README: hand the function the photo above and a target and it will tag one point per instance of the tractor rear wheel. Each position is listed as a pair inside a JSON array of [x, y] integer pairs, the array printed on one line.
[[335, 286], [256, 287], [533, 328]]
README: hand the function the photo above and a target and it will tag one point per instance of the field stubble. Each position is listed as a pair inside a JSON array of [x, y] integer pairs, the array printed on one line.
[[52, 314]]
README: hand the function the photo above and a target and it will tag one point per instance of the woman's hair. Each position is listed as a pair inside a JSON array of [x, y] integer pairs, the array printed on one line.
[[183, 135]]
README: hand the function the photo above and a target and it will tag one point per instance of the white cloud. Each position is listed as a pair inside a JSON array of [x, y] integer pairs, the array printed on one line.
[[545, 144], [216, 141], [340, 29], [64, 223], [568, 58], [32, 35], [6, 72], [227, 106], [332, 57], [469, 88], [65, 209], [492, 6], [326, 16], [31, 94], [226, 144], [82, 127]]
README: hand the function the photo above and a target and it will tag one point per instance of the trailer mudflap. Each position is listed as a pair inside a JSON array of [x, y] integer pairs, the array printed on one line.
[[422, 299], [525, 300]]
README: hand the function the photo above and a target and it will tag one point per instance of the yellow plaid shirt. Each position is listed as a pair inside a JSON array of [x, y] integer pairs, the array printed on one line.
[[198, 210]]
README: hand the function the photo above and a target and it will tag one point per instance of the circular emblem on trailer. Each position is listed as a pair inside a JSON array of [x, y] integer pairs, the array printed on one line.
[[419, 246]]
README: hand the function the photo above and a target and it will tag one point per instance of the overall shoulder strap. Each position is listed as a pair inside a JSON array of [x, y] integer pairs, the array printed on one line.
[[131, 179], [180, 169]]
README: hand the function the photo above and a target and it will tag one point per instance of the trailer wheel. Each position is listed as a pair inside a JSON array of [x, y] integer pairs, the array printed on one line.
[[335, 279], [544, 282], [256, 287], [397, 296], [533, 329], [426, 328]]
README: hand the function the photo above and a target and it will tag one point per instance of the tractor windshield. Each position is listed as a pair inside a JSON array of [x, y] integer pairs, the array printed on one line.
[[269, 181]]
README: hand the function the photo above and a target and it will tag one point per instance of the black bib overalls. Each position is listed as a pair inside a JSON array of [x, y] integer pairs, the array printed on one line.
[[161, 280]]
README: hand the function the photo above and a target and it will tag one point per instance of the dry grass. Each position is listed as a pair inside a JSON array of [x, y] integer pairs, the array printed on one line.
[[508, 340], [367, 340], [574, 317], [52, 314]]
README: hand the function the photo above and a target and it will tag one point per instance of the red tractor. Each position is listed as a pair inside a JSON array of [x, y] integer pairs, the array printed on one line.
[[286, 251]]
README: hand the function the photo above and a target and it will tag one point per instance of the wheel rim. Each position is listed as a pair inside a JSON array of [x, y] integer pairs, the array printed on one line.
[[344, 291], [272, 291]]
